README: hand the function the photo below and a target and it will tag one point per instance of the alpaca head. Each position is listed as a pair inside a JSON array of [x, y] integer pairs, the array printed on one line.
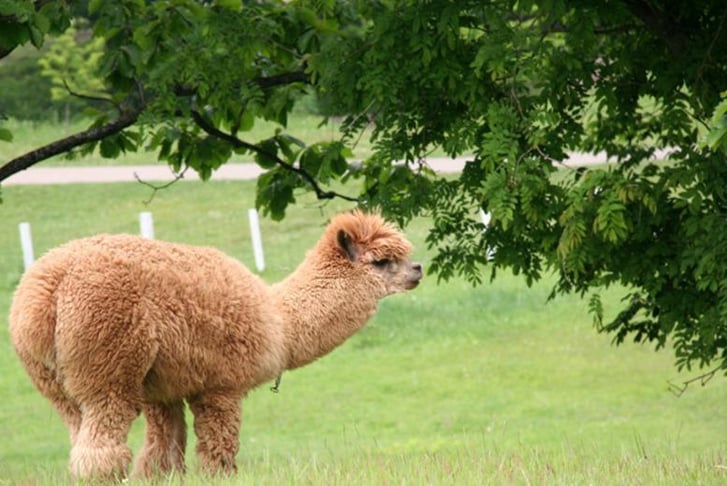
[[375, 251], [359, 260]]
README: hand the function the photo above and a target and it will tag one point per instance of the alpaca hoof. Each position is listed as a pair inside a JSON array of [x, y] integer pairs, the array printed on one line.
[[110, 462], [148, 467], [220, 467]]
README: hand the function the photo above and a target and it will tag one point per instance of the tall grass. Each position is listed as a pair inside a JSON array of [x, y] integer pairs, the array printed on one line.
[[448, 384]]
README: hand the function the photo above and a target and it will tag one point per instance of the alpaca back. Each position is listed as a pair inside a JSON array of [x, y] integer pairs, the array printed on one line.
[[184, 313]]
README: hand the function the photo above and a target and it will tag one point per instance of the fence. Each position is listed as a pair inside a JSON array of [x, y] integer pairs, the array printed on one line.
[[146, 229]]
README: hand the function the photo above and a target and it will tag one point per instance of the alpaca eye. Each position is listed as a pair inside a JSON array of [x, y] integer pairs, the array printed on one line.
[[382, 263]]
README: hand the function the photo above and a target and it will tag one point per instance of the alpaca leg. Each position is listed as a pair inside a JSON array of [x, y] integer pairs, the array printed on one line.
[[100, 451], [47, 383], [217, 420], [165, 442]]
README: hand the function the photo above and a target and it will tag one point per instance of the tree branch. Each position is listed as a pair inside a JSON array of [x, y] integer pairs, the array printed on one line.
[[89, 97], [126, 118], [156, 188], [205, 125], [679, 390], [282, 79]]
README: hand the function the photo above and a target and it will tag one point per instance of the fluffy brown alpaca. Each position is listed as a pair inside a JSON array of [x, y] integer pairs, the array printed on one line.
[[111, 326]]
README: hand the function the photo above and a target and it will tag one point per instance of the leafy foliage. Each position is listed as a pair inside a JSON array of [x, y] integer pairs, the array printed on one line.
[[71, 63], [519, 84], [25, 21], [24, 93], [516, 84]]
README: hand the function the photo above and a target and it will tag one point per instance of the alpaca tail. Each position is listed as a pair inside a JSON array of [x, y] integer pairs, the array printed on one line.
[[33, 316]]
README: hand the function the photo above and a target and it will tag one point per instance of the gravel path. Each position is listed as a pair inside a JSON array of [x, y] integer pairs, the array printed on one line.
[[231, 171]]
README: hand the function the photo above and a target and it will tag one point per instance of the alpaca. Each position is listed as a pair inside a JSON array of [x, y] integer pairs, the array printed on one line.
[[112, 326]]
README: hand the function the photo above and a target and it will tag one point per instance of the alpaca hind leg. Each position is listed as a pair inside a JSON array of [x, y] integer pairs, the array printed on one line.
[[100, 451], [217, 420], [165, 441], [47, 383]]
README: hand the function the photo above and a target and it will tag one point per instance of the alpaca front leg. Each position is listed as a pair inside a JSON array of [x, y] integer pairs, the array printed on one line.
[[165, 441], [217, 420]]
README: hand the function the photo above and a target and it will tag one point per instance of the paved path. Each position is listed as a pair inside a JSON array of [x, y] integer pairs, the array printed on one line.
[[230, 171], [122, 173], [160, 173]]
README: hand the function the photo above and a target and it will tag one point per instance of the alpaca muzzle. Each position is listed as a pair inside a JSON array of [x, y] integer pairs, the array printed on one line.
[[416, 276]]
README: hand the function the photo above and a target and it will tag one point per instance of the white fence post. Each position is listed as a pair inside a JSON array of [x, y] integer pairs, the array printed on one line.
[[146, 224], [257, 241], [486, 217], [26, 242]]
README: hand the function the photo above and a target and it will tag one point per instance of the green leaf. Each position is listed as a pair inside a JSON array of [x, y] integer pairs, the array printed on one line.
[[610, 222], [274, 194], [339, 165], [36, 36], [13, 35], [229, 4], [311, 161], [595, 308], [42, 22], [286, 144], [6, 135], [267, 158], [247, 122], [94, 5], [109, 148]]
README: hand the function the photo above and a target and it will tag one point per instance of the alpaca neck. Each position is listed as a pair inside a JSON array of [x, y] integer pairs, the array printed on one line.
[[320, 311]]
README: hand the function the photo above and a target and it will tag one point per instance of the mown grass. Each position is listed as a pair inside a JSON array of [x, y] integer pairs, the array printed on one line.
[[448, 384]]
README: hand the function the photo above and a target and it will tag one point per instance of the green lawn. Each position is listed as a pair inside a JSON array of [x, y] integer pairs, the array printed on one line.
[[448, 384]]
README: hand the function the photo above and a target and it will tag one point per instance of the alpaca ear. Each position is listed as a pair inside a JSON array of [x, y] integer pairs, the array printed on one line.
[[348, 247]]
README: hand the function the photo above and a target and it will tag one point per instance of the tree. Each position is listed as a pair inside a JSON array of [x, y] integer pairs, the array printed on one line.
[[518, 84], [71, 64], [24, 93]]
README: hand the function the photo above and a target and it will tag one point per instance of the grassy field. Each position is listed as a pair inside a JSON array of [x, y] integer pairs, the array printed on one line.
[[448, 384]]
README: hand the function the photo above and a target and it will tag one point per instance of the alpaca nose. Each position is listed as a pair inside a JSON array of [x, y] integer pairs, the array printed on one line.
[[415, 276]]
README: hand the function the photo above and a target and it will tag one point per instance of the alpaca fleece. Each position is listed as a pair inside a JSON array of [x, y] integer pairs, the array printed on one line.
[[116, 325]]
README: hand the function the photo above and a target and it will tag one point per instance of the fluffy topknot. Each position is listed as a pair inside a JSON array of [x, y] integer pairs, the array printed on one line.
[[372, 237]]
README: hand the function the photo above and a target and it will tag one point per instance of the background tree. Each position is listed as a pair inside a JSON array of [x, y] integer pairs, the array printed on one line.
[[24, 22], [24, 93], [518, 84], [71, 63]]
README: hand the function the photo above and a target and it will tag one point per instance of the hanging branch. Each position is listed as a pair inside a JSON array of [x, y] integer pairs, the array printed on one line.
[[129, 116], [155, 188], [210, 129], [90, 97], [679, 389], [125, 119]]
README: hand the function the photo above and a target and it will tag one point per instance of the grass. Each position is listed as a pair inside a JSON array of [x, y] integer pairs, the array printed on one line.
[[448, 384]]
